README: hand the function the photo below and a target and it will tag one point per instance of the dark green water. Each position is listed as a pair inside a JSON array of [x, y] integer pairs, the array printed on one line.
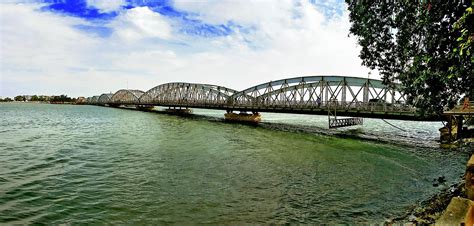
[[87, 164]]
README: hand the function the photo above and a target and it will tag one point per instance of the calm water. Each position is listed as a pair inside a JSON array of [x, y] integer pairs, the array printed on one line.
[[87, 164]]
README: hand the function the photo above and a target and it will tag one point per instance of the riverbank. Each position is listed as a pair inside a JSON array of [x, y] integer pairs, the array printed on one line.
[[429, 210], [41, 102]]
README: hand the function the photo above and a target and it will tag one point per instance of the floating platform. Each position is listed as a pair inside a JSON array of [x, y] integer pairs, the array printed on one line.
[[343, 122], [243, 117]]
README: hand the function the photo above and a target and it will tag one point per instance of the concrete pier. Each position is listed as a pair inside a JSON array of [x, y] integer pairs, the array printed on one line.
[[254, 117], [145, 107], [179, 111]]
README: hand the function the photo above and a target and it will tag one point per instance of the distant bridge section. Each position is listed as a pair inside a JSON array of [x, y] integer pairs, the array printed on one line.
[[126, 97], [320, 95], [105, 98], [187, 95]]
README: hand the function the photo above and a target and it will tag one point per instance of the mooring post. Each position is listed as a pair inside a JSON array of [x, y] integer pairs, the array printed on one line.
[[450, 128], [459, 120]]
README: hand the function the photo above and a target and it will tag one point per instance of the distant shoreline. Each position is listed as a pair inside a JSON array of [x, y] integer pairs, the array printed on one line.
[[39, 102]]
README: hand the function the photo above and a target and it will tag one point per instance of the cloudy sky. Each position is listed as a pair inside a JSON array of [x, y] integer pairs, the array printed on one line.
[[89, 47]]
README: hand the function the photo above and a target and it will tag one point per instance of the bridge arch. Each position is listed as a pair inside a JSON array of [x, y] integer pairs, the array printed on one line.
[[126, 96], [187, 94], [319, 91], [94, 99], [105, 98]]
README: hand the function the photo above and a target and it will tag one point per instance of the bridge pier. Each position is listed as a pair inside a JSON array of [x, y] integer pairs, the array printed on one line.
[[179, 110], [145, 107], [243, 116], [113, 105]]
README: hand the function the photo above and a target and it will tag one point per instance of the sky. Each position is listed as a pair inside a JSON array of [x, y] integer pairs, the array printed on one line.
[[90, 47]]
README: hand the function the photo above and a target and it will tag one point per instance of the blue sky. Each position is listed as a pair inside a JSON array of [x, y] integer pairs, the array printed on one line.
[[87, 47], [100, 18]]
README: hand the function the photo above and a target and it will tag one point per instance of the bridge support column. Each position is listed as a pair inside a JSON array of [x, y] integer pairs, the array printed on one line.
[[245, 117], [446, 133], [460, 119]]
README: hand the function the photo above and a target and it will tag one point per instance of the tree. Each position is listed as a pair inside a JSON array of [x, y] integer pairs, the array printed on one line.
[[426, 46], [61, 98], [34, 98], [19, 98]]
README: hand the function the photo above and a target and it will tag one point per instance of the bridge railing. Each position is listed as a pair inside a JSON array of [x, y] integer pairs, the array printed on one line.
[[188, 102], [332, 105]]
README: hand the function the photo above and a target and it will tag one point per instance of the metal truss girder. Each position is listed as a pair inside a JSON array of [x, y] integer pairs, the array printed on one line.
[[105, 98], [313, 92], [126, 96], [187, 93]]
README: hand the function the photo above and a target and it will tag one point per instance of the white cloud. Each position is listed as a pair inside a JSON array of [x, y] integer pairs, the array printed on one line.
[[248, 12], [35, 47], [141, 22], [293, 39], [42, 53], [106, 6]]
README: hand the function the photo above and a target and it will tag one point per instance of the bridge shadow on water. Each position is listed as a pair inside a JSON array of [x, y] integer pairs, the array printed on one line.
[[347, 133]]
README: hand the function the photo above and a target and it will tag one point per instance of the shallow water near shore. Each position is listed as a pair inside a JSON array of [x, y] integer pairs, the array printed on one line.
[[89, 164]]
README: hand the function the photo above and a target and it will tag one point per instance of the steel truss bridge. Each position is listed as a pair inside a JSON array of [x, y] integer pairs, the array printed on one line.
[[318, 95]]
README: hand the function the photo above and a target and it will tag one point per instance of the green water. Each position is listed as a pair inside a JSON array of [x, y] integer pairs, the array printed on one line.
[[88, 164]]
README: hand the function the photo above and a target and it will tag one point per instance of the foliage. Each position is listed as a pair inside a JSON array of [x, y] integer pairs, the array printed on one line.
[[54, 99], [7, 99], [426, 46], [19, 98], [61, 98]]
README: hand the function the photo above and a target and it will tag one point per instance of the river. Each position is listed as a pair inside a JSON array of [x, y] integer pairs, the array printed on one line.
[[92, 165]]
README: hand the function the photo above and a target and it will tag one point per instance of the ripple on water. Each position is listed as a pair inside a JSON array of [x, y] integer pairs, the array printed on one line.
[[94, 165]]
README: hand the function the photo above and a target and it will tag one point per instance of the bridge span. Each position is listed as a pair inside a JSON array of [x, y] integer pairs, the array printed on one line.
[[319, 95]]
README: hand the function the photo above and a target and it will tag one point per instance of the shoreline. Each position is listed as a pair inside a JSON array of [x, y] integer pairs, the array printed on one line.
[[428, 210], [39, 102]]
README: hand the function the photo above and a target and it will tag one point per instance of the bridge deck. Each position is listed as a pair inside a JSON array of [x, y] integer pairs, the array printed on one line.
[[374, 113]]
